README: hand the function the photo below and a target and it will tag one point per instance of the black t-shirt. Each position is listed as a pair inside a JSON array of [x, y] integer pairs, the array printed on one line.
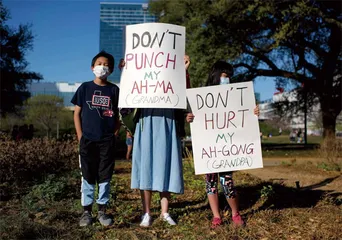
[[99, 109]]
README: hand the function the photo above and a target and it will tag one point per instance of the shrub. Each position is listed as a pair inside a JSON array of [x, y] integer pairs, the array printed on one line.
[[29, 160], [54, 188], [267, 128], [331, 151]]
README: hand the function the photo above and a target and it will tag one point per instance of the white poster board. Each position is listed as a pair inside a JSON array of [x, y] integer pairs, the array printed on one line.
[[154, 74], [225, 131]]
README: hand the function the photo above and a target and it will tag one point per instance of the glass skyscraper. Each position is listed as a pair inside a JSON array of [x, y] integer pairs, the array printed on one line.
[[113, 19]]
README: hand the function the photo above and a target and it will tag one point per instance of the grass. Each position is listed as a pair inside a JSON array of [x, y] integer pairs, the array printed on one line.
[[280, 146], [284, 139], [288, 153], [51, 210]]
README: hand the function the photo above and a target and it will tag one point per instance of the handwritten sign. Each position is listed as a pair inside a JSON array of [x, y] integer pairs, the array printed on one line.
[[225, 132], [154, 74]]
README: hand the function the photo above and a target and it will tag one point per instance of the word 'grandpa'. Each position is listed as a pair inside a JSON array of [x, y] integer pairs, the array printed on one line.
[[231, 163]]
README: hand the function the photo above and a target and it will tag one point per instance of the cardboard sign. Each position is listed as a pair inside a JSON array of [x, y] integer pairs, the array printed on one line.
[[225, 131], [154, 74]]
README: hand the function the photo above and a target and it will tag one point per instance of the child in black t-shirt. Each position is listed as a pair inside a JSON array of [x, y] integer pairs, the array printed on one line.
[[96, 120]]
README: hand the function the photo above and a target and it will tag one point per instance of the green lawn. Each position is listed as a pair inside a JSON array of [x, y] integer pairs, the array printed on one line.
[[284, 139]]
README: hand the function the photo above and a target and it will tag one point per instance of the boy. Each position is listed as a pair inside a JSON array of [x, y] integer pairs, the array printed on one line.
[[96, 120]]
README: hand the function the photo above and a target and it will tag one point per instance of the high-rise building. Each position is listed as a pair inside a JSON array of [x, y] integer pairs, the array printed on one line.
[[113, 19]]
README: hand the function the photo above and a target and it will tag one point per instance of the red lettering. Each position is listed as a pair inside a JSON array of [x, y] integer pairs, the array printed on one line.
[[204, 152], [141, 62], [224, 121], [149, 62], [169, 60], [243, 116], [140, 88], [155, 60], [169, 87], [212, 151], [231, 118], [209, 120], [129, 57], [159, 84], [135, 87]]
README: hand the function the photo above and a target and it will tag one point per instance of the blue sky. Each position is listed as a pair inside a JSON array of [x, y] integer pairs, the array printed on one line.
[[67, 38]]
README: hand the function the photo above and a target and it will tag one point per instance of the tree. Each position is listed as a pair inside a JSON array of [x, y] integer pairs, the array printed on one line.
[[44, 110], [66, 119], [14, 43], [297, 41]]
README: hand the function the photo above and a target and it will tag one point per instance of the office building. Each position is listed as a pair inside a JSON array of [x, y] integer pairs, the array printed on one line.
[[293, 120], [60, 89], [113, 19]]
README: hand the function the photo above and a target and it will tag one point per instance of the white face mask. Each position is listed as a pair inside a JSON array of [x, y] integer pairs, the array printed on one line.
[[224, 80], [101, 71]]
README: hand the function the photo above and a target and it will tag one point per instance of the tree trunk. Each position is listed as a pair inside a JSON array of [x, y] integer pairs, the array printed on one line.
[[330, 94], [329, 124], [48, 132]]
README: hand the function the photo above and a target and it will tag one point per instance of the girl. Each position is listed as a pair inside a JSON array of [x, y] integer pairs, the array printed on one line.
[[157, 158], [220, 74], [129, 143]]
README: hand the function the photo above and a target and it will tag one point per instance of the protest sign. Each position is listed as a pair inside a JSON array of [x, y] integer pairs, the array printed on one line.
[[225, 131], [154, 72]]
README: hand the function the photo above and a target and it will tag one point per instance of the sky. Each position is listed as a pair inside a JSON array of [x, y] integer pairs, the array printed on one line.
[[66, 38]]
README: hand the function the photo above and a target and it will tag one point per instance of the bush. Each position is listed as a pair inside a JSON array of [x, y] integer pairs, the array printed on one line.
[[331, 151], [266, 128], [55, 188], [30, 160]]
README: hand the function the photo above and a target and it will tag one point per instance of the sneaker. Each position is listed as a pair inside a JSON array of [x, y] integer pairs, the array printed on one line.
[[86, 219], [104, 219], [146, 220], [237, 220], [167, 218], [216, 222]]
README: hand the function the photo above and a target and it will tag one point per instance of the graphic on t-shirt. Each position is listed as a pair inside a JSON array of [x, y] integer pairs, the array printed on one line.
[[100, 102]]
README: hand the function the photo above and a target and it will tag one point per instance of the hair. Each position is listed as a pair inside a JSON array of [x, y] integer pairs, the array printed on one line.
[[105, 55], [217, 69]]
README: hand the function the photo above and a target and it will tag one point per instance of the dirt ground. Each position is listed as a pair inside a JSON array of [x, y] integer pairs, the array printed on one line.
[[288, 171]]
